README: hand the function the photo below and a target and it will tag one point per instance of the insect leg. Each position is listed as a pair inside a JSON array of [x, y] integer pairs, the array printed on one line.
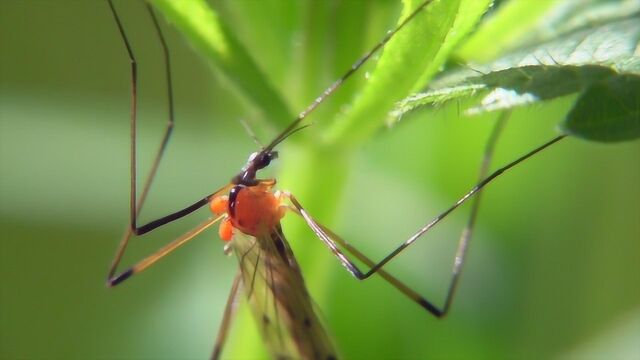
[[162, 252], [332, 240], [402, 287], [135, 203], [229, 312], [467, 232]]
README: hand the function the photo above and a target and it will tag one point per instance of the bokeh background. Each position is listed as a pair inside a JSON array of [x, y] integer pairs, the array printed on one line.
[[552, 272]]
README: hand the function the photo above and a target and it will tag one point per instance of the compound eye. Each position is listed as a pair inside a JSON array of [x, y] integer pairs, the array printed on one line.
[[268, 158]]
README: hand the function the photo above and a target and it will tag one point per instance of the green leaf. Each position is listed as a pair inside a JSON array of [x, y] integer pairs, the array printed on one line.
[[587, 60], [608, 111], [529, 84], [414, 55], [208, 33], [506, 89], [504, 29]]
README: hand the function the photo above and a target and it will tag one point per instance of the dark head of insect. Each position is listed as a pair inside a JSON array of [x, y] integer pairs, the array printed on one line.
[[257, 161]]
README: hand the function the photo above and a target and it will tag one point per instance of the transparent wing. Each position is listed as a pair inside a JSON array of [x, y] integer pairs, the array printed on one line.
[[279, 299]]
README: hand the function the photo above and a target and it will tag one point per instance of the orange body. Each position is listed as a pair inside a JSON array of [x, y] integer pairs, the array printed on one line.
[[256, 210]]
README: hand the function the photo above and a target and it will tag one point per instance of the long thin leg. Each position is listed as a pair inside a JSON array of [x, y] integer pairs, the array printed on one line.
[[467, 232], [229, 313], [168, 130], [330, 239], [135, 204], [133, 114], [402, 287], [462, 245], [162, 252]]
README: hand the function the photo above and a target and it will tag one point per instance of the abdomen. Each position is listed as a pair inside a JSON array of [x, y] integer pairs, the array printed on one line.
[[279, 299]]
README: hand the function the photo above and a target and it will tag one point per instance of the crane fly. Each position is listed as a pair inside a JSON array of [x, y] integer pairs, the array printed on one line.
[[248, 211]]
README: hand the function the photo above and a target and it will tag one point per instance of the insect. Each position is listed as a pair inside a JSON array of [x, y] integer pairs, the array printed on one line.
[[249, 214]]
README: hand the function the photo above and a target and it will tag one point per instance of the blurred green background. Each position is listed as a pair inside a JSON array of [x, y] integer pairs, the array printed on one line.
[[552, 271]]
